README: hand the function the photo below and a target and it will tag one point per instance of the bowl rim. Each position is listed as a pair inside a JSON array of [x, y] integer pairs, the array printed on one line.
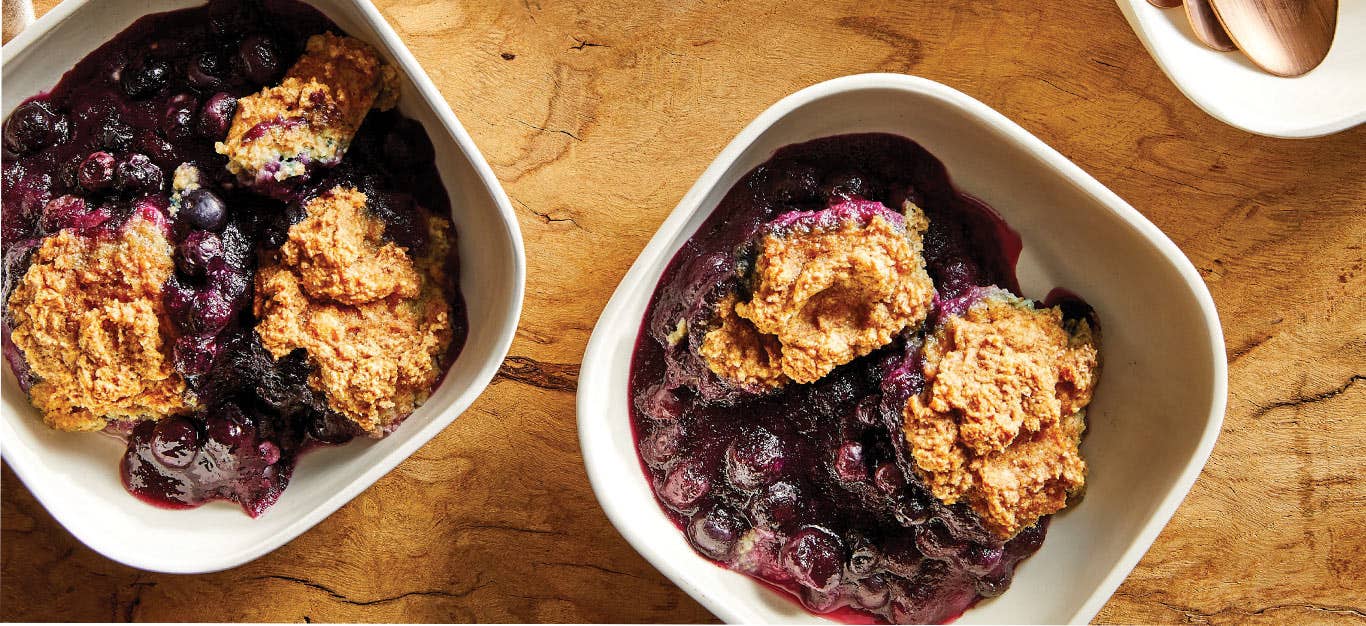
[[649, 265], [23, 461]]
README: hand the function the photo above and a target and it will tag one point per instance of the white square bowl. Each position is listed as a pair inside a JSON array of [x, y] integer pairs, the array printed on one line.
[[1329, 99], [1157, 410], [76, 476]]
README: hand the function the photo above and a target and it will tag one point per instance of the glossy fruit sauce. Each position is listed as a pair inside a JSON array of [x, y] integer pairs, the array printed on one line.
[[808, 488], [104, 143]]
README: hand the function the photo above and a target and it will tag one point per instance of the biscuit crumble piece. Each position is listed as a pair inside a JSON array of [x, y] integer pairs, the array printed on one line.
[[837, 285], [738, 352], [375, 323], [88, 315], [312, 115], [1001, 417]]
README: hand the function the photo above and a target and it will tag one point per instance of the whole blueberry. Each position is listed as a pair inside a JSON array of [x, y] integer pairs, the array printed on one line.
[[196, 251], [194, 354], [34, 125], [258, 58], [814, 556], [205, 70], [96, 172], [754, 459], [62, 212], [216, 115], [175, 442], [144, 77], [203, 209], [137, 175], [178, 120], [715, 532], [684, 486], [113, 134]]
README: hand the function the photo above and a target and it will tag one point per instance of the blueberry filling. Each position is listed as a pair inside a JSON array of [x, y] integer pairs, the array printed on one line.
[[109, 144], [808, 487]]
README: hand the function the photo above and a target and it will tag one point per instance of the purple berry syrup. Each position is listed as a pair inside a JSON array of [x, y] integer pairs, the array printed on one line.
[[808, 488], [105, 142]]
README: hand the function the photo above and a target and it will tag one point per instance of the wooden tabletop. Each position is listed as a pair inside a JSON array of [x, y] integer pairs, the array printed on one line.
[[598, 116]]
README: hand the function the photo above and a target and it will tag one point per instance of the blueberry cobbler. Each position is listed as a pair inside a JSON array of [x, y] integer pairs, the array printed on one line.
[[839, 391], [223, 245]]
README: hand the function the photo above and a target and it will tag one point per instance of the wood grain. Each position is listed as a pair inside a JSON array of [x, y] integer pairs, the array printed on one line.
[[597, 117]]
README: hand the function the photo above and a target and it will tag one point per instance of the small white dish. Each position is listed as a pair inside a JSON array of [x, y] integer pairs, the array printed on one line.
[[76, 476], [1329, 99], [1157, 410]]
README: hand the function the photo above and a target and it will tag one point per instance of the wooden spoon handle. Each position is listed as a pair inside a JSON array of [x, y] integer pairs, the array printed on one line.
[[1165, 4], [1207, 27]]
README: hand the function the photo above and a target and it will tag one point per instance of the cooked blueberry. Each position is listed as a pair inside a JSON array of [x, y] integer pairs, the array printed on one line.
[[778, 506], [64, 212], [715, 532], [850, 464], [175, 441], [205, 70], [193, 354], [754, 459], [113, 134], [661, 446], [216, 115], [684, 486], [912, 511], [196, 251], [934, 542], [136, 174], [995, 582], [662, 404], [203, 209], [864, 559], [889, 478], [980, 560], [872, 592], [814, 557], [96, 172], [34, 125], [178, 121], [144, 77], [230, 430], [259, 59], [329, 427]]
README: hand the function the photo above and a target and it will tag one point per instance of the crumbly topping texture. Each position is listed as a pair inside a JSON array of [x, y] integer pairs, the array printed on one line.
[[89, 317], [374, 321], [1000, 420], [832, 294], [340, 254], [738, 352], [312, 114]]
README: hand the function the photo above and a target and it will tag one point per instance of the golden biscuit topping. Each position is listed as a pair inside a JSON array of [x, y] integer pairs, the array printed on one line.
[[89, 317], [1000, 420], [340, 254], [738, 352], [375, 323], [313, 113], [832, 294]]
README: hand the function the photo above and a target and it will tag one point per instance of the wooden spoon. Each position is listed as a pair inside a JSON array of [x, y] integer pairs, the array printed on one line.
[[1284, 37], [1165, 4], [1207, 27]]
